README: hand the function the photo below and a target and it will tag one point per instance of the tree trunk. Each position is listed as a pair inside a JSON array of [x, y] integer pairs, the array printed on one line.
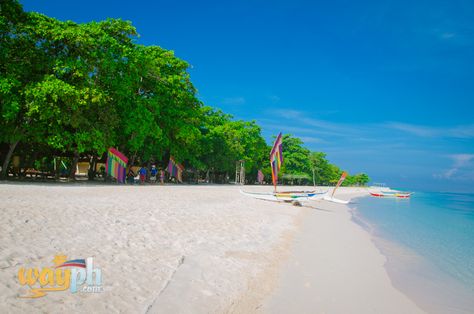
[[314, 182], [57, 168], [92, 165], [148, 167], [28, 162], [72, 172], [6, 162], [131, 162]]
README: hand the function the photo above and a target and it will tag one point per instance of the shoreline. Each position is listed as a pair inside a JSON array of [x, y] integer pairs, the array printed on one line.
[[334, 267], [416, 276], [264, 283]]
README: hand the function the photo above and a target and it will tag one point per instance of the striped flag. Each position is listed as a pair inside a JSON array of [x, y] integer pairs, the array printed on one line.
[[276, 158], [116, 164], [260, 176], [175, 169]]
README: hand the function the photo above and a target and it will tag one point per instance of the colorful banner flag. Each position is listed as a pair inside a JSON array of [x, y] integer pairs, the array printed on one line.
[[175, 169], [343, 177], [276, 158], [260, 176], [116, 164]]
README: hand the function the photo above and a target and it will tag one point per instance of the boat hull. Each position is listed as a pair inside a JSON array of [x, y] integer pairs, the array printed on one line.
[[392, 195], [295, 197], [298, 196]]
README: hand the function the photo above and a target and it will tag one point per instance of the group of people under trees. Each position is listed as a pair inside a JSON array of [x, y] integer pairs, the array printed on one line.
[[144, 175]]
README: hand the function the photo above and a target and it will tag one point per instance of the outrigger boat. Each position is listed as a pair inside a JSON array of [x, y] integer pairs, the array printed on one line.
[[396, 194], [294, 197]]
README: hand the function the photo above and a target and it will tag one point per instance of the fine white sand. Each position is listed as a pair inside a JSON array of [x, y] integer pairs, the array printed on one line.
[[334, 267], [191, 249]]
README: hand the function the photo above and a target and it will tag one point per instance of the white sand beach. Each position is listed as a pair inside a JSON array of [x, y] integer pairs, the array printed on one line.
[[192, 249], [334, 267]]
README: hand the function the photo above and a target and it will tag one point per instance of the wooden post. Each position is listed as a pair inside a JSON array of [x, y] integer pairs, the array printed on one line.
[[240, 172]]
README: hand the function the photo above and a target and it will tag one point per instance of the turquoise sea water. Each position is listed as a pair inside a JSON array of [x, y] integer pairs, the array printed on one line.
[[437, 229]]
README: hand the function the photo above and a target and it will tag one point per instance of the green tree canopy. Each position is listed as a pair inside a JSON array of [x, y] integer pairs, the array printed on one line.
[[72, 90]]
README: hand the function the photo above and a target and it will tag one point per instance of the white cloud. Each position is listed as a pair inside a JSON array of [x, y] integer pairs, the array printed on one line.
[[274, 98], [462, 131], [288, 113], [317, 125], [447, 35], [310, 139], [418, 130], [461, 168], [459, 131], [303, 122], [233, 101]]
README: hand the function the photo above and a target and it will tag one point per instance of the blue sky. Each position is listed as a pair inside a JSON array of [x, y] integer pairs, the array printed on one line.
[[383, 87]]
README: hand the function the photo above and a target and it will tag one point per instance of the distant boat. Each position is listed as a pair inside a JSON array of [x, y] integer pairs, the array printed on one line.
[[379, 187], [395, 194]]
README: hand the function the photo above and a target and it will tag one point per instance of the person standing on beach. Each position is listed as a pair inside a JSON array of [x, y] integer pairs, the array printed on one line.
[[153, 174], [130, 176], [142, 173], [162, 176]]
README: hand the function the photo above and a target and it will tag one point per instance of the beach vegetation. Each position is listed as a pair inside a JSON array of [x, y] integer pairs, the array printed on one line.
[[69, 91]]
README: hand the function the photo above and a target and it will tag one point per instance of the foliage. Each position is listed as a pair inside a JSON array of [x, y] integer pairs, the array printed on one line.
[[74, 90], [225, 141]]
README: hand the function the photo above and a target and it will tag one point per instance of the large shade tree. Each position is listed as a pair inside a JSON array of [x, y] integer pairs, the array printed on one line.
[[22, 63], [72, 90]]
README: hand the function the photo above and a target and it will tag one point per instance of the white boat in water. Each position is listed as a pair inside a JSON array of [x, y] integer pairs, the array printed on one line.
[[396, 194]]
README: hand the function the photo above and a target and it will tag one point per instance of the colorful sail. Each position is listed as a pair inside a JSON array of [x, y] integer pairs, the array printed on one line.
[[260, 176], [276, 158], [116, 164], [175, 169], [343, 177]]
